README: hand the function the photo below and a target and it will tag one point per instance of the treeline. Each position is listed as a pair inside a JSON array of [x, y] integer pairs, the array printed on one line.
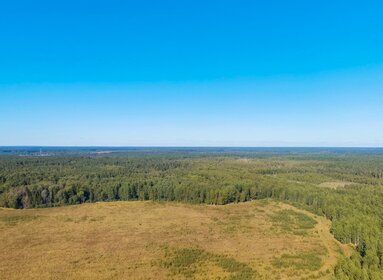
[[356, 211], [42, 196]]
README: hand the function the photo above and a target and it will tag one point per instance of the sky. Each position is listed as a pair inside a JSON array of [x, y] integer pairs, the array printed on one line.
[[191, 73]]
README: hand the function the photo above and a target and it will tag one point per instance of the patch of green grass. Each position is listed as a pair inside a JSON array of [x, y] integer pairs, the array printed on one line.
[[290, 221], [185, 261], [13, 220], [302, 261], [188, 261], [239, 270]]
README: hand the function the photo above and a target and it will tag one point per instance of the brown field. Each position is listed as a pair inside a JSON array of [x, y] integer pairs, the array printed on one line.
[[147, 240]]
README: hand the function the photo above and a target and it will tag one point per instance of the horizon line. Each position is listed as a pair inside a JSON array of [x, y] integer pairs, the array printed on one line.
[[178, 146]]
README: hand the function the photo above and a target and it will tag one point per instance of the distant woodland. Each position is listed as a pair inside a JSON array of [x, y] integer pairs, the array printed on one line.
[[347, 188]]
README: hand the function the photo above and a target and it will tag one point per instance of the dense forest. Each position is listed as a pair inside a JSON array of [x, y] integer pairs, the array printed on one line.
[[345, 187]]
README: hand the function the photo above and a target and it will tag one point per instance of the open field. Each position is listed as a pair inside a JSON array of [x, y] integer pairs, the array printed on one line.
[[335, 184], [148, 240]]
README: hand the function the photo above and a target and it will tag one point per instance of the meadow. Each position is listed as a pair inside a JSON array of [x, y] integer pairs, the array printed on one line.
[[152, 240]]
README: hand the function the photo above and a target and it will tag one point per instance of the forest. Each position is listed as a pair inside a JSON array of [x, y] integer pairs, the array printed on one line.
[[346, 187]]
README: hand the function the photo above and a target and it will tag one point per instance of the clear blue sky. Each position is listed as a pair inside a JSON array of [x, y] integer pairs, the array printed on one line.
[[191, 73]]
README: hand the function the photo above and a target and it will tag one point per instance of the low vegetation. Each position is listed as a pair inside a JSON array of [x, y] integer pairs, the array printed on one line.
[[301, 261], [289, 221], [151, 240], [187, 262]]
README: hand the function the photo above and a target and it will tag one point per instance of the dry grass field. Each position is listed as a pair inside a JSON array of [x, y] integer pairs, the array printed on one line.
[[147, 240], [335, 184]]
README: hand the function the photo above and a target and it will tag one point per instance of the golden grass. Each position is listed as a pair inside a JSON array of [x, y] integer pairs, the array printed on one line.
[[334, 184], [147, 240]]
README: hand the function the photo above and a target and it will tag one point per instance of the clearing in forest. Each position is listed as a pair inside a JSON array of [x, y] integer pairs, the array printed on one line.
[[146, 240]]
